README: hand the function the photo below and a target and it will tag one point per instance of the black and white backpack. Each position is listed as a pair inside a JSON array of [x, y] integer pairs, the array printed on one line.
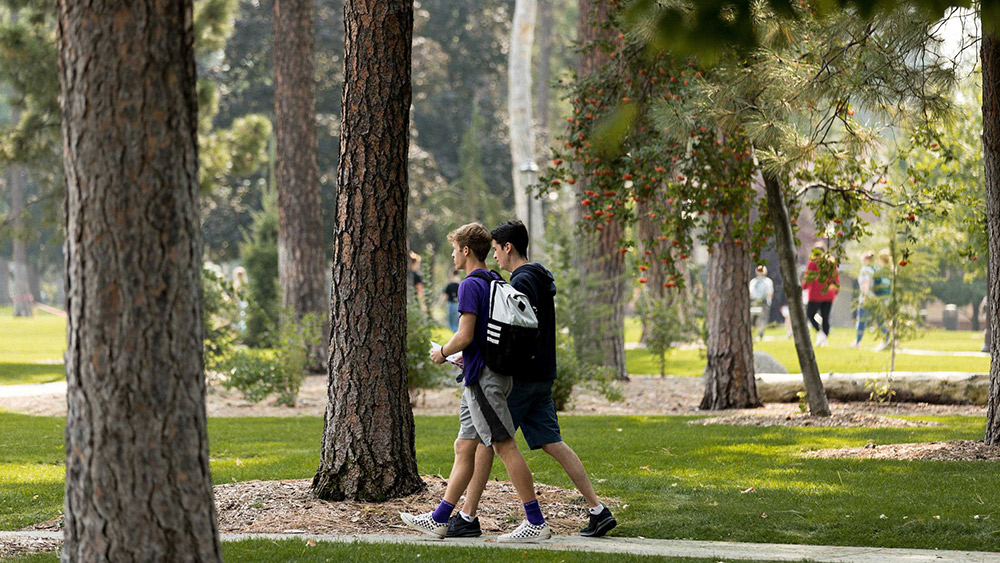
[[511, 329]]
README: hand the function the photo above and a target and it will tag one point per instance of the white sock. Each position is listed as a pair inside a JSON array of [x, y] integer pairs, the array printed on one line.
[[465, 516], [595, 510]]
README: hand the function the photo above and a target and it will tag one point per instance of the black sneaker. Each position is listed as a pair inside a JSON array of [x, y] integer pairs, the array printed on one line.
[[599, 525], [459, 528]]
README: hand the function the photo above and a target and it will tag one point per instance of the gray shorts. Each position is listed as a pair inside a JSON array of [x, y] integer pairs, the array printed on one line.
[[484, 415]]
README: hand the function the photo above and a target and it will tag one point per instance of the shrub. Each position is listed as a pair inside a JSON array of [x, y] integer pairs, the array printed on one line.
[[259, 252], [220, 316], [666, 327], [421, 372], [258, 374]]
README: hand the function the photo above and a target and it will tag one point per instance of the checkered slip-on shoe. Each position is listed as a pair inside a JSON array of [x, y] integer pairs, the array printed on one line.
[[425, 523], [527, 533]]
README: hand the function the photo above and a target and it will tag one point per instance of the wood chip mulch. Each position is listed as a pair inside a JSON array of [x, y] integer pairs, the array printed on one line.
[[837, 420], [23, 546], [957, 450], [290, 507]]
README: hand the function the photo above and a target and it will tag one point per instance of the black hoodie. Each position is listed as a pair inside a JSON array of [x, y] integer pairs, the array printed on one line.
[[539, 285]]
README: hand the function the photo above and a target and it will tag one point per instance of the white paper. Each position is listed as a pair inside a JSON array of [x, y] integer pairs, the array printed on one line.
[[454, 359]]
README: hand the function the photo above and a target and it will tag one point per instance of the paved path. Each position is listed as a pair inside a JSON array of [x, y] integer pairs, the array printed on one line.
[[643, 546], [33, 390]]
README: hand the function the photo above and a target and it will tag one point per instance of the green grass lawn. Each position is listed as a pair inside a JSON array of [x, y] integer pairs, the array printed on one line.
[[674, 480], [837, 357], [32, 351], [24, 343], [268, 551]]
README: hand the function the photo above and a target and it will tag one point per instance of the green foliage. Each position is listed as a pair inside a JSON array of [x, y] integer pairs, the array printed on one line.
[[576, 362], [259, 251], [213, 24], [220, 316], [665, 326], [421, 372], [258, 374]]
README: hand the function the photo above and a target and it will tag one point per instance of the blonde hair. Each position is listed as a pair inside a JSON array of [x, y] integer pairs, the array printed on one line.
[[475, 236]]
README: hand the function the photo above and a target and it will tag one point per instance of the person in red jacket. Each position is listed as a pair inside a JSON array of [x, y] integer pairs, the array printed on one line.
[[821, 294]]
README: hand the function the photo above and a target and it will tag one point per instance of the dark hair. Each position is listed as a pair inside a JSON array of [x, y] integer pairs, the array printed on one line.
[[513, 232]]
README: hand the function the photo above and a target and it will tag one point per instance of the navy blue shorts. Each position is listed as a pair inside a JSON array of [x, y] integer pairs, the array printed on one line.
[[532, 410]]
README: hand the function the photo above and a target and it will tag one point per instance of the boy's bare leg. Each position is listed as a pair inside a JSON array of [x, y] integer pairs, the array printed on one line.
[[484, 464], [462, 470], [573, 467], [517, 469]]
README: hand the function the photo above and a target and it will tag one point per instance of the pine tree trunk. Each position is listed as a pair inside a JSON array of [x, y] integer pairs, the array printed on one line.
[[990, 57], [138, 486], [34, 283], [815, 394], [522, 133], [602, 265], [368, 441], [729, 374], [4, 281], [22, 286], [301, 257]]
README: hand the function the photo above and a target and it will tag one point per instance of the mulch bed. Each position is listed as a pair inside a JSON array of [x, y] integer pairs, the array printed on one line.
[[837, 420], [15, 547], [957, 450], [288, 507]]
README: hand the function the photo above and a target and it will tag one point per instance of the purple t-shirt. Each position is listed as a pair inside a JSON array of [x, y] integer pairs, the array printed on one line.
[[474, 297]]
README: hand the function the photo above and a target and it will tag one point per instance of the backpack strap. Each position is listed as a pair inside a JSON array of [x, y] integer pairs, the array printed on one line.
[[487, 277]]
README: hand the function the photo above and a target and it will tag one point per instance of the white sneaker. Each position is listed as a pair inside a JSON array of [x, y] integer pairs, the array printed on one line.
[[425, 523], [881, 346], [821, 339], [527, 533]]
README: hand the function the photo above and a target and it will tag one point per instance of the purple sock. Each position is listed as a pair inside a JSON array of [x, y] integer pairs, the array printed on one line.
[[534, 513], [443, 512]]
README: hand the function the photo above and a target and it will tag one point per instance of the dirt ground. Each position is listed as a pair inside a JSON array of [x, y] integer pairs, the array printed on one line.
[[644, 395], [958, 450]]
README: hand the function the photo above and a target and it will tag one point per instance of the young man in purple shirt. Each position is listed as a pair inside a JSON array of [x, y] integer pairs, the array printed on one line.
[[530, 402], [483, 416]]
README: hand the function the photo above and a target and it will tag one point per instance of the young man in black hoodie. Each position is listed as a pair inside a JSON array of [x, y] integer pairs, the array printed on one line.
[[530, 401]]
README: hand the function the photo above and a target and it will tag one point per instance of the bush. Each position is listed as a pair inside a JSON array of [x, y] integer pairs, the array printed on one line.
[[259, 252], [574, 361], [258, 374], [220, 316], [421, 372], [666, 327]]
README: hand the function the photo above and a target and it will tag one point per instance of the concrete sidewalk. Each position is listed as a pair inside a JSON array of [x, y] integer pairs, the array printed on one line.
[[642, 546], [33, 390]]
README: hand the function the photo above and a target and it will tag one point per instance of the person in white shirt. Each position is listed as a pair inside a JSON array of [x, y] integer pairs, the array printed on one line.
[[761, 294]]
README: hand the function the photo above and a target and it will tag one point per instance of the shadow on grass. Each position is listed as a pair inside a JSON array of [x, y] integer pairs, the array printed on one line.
[[20, 374]]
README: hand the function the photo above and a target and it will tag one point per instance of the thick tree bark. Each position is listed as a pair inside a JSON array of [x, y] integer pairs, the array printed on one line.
[[602, 265], [368, 442], [815, 394], [522, 133], [301, 257], [990, 56], [4, 281], [729, 374], [138, 486]]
